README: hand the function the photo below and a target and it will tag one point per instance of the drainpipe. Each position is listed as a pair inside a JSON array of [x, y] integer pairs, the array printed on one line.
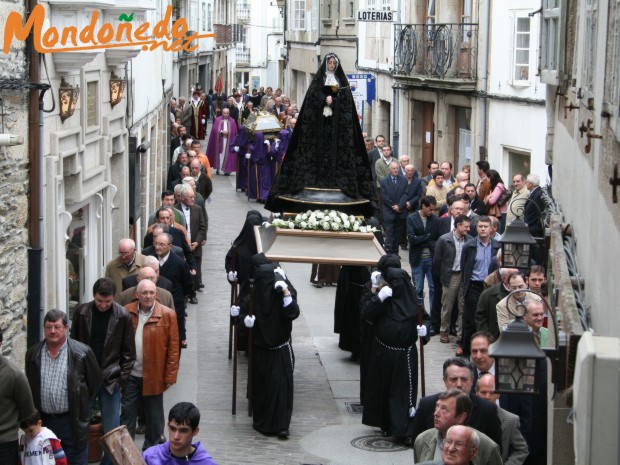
[[484, 81], [35, 216], [396, 105]]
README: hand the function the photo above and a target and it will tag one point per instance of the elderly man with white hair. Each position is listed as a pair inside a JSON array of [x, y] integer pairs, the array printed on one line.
[[127, 263]]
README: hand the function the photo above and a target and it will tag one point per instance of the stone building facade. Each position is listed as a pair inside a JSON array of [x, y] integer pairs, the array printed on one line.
[[13, 197]]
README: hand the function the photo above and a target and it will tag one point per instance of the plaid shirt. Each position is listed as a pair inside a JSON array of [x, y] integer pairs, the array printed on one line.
[[54, 393]]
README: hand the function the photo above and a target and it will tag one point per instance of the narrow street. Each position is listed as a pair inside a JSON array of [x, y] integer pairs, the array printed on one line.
[[322, 427]]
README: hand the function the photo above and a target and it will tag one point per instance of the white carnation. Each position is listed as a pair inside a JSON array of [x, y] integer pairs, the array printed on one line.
[[319, 215], [326, 225], [298, 218], [346, 224], [335, 226], [363, 229], [303, 225], [333, 214], [356, 226]]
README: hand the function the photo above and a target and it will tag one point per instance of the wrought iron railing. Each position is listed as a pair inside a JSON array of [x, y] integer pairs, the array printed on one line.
[[242, 53], [443, 51]]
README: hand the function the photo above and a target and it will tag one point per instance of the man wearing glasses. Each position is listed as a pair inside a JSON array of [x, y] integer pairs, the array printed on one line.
[[64, 377], [126, 264], [455, 446]]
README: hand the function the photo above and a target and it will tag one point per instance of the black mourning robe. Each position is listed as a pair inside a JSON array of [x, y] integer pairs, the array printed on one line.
[[392, 378], [325, 151], [246, 247], [273, 359], [347, 307]]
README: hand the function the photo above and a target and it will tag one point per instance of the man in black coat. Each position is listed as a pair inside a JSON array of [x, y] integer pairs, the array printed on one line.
[[176, 270], [475, 204], [420, 227], [394, 205], [458, 373], [153, 263], [165, 218]]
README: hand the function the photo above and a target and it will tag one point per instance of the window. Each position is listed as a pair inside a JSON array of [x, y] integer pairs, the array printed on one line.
[[518, 162], [328, 9], [351, 9], [552, 37], [520, 40], [209, 17], [589, 48], [299, 14], [371, 4], [430, 12], [386, 5]]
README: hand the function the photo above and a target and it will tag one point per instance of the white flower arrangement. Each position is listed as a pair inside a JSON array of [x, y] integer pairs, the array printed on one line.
[[323, 220]]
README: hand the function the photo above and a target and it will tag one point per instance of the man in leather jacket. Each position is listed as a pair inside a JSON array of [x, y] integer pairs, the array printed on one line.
[[106, 327], [64, 377]]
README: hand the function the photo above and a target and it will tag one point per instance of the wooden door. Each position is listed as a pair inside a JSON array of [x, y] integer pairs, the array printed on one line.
[[428, 133]]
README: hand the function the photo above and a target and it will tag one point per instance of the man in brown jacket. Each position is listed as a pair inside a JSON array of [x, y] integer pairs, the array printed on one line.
[[157, 362], [127, 263]]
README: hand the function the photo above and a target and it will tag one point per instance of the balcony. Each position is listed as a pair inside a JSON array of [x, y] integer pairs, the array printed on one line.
[[224, 35], [243, 12], [242, 55], [437, 55]]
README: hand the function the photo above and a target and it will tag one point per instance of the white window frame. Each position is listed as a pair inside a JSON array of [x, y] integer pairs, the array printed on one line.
[[386, 5], [371, 4], [299, 15], [552, 33], [512, 63], [589, 35]]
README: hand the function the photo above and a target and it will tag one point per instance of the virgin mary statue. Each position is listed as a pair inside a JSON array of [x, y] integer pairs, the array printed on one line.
[[326, 164]]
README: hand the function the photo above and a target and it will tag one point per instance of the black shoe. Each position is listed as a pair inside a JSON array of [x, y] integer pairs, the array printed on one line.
[[162, 439], [283, 434], [432, 332], [453, 332], [193, 300], [201, 286], [140, 429]]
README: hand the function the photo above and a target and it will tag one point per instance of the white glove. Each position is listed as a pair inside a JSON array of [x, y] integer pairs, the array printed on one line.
[[374, 278], [203, 121], [232, 276], [248, 156], [248, 321], [236, 149], [421, 331], [267, 143], [234, 311], [280, 285], [385, 292], [279, 271], [277, 143]]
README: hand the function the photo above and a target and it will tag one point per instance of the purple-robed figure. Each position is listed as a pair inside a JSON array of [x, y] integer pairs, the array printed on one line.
[[278, 150], [220, 148], [242, 144], [260, 174]]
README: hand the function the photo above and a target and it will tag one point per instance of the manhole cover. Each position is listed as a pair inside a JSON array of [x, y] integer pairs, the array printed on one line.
[[354, 408], [377, 443]]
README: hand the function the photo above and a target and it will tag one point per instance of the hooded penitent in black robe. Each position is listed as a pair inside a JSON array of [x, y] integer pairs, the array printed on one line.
[[351, 284], [392, 379], [273, 359], [325, 151], [246, 247]]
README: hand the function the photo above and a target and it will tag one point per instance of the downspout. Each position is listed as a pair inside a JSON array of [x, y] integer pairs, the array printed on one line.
[[396, 105], [484, 82], [35, 179]]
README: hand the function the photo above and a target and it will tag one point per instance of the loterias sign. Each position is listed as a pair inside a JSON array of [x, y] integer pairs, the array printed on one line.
[[92, 37], [375, 16]]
